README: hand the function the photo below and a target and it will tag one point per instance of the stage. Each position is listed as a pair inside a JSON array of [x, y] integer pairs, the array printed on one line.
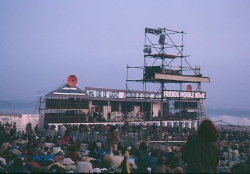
[[185, 123]]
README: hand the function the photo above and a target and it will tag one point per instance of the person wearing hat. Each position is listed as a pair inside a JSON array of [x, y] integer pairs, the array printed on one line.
[[84, 166]]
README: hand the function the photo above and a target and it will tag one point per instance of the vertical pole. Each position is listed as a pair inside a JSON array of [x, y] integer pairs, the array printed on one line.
[[229, 143], [162, 88], [162, 95]]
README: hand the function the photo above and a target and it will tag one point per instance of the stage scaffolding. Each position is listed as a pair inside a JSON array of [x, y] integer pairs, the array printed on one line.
[[166, 65]]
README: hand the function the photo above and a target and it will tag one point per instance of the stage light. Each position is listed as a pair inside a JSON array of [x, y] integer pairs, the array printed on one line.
[[147, 50]]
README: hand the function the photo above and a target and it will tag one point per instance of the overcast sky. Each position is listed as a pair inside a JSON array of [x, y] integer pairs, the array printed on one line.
[[42, 42]]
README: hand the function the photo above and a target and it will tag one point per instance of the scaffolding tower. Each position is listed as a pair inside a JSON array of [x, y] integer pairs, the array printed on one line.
[[166, 64]]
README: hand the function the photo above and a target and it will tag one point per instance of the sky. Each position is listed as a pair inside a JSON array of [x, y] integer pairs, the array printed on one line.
[[42, 42]]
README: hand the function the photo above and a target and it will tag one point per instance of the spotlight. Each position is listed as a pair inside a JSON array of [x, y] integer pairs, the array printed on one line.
[[147, 50]]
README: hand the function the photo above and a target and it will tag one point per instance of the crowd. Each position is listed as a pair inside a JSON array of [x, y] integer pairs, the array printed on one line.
[[120, 149]]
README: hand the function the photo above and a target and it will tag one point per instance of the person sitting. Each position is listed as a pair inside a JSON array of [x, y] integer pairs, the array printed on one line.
[[33, 150], [106, 162], [2, 159], [17, 167], [116, 160], [152, 157], [159, 167], [84, 166], [2, 167], [73, 154]]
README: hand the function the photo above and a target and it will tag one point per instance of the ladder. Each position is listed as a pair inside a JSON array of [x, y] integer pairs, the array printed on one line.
[[201, 103], [202, 110]]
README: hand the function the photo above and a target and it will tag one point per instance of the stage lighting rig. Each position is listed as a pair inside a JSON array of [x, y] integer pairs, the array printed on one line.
[[147, 49], [153, 31]]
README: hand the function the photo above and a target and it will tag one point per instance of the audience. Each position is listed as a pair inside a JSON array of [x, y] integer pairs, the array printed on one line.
[[85, 149]]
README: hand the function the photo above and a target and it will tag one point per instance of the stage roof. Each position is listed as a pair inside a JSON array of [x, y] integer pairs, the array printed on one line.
[[65, 91]]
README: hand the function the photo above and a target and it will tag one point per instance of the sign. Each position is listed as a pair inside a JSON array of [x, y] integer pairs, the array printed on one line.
[[33, 116], [185, 94], [121, 95]]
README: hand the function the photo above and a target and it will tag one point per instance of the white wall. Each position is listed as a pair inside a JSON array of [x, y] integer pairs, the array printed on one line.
[[21, 121], [105, 110], [30, 118]]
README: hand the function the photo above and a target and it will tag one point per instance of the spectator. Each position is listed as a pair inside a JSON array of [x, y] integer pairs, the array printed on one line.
[[153, 157], [66, 137], [73, 154], [17, 167], [202, 152], [116, 160], [143, 161], [125, 165], [2, 168], [178, 170], [2, 159], [84, 166], [33, 150], [112, 139], [7, 128], [106, 162], [159, 167]]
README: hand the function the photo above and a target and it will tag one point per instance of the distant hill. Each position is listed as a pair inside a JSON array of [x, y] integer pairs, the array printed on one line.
[[17, 107], [224, 111]]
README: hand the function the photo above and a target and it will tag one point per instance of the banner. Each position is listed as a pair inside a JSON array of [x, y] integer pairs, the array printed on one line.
[[185, 94]]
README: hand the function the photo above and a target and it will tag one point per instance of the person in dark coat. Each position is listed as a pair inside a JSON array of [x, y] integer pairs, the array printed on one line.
[[17, 167], [143, 160], [202, 152]]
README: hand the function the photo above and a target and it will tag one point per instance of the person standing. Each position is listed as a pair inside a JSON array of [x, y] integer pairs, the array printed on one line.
[[202, 152], [66, 137], [113, 139], [7, 128], [109, 116], [14, 128], [62, 130], [125, 165]]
